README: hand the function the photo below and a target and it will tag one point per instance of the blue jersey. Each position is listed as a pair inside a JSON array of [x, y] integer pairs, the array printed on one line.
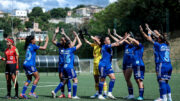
[[128, 53], [156, 56], [31, 55], [69, 58], [138, 55], [61, 51], [163, 52], [106, 52]]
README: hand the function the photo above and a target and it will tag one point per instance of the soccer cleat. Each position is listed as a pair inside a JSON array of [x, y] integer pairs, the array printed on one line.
[[105, 95], [100, 97], [15, 97], [33, 95], [158, 99], [53, 94], [23, 96], [75, 97], [94, 96], [140, 98], [62, 96], [129, 97], [111, 96], [7, 97], [69, 96]]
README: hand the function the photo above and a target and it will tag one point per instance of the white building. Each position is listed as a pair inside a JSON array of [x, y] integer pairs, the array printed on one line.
[[73, 21], [20, 13], [88, 10]]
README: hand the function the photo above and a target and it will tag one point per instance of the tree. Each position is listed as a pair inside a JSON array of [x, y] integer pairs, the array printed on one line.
[[36, 12], [58, 13]]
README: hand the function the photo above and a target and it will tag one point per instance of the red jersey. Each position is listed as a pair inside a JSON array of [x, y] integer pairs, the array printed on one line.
[[11, 55]]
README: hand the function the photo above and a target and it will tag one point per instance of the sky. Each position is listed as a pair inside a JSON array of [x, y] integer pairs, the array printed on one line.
[[8, 5]]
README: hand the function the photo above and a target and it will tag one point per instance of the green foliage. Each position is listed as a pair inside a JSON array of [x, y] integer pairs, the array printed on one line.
[[58, 12]]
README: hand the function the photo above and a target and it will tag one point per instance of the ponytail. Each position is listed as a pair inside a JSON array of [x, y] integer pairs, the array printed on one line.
[[28, 41]]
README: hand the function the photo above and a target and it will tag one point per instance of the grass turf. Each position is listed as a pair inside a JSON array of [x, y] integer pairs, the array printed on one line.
[[86, 87]]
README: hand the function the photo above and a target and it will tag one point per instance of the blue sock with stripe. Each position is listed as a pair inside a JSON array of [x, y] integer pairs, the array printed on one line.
[[168, 88], [33, 88], [74, 89], [101, 84], [160, 90], [141, 92], [111, 85], [130, 90], [163, 87], [69, 86], [59, 87], [24, 89]]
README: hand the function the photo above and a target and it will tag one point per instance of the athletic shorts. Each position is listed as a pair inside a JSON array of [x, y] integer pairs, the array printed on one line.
[[165, 71], [139, 72], [105, 70], [60, 68], [69, 73], [127, 66], [10, 69], [29, 70], [96, 69]]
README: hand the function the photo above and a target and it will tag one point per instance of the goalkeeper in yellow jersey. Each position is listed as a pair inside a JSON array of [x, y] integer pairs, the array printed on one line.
[[97, 57]]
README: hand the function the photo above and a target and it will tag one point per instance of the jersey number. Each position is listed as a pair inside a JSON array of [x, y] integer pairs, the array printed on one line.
[[166, 58], [67, 59]]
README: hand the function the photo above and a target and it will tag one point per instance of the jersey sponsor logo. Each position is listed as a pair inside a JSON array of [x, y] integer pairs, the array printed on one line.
[[164, 48]]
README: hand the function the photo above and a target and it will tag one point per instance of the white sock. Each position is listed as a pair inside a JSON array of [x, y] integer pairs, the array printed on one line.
[[169, 96], [69, 93], [105, 92], [109, 93], [164, 97], [97, 92]]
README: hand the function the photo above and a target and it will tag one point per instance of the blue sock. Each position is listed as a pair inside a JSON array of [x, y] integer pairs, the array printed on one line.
[[74, 89], [160, 90], [59, 87], [101, 87], [69, 86], [168, 88], [111, 85], [130, 90], [33, 88], [24, 89], [163, 87], [141, 92]]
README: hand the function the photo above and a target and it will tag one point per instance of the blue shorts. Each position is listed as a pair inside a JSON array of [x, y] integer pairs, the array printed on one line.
[[29, 69], [69, 73], [139, 72], [165, 71], [127, 66], [105, 70], [60, 68]]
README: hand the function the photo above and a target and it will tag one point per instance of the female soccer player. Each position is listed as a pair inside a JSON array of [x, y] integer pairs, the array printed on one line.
[[11, 58], [61, 45], [68, 68], [29, 64], [127, 62], [105, 66], [164, 66], [97, 57], [156, 56], [138, 66]]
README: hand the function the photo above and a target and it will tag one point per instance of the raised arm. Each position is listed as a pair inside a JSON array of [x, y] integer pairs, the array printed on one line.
[[120, 41], [63, 33], [149, 30], [74, 42], [45, 45], [40, 40], [79, 41], [136, 42], [54, 36], [114, 38], [148, 37], [96, 39], [115, 33], [88, 42]]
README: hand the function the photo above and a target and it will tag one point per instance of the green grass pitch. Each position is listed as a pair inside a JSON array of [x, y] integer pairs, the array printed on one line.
[[86, 87]]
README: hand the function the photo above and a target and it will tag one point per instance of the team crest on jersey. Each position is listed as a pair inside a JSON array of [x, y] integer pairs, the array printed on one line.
[[164, 48]]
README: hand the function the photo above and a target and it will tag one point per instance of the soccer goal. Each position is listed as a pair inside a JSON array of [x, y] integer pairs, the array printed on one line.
[[86, 65]]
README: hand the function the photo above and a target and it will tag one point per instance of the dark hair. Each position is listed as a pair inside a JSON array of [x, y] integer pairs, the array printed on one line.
[[164, 39], [28, 41], [102, 39], [66, 45]]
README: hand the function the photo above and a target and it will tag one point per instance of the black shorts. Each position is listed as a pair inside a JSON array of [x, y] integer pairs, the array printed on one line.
[[10, 69]]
